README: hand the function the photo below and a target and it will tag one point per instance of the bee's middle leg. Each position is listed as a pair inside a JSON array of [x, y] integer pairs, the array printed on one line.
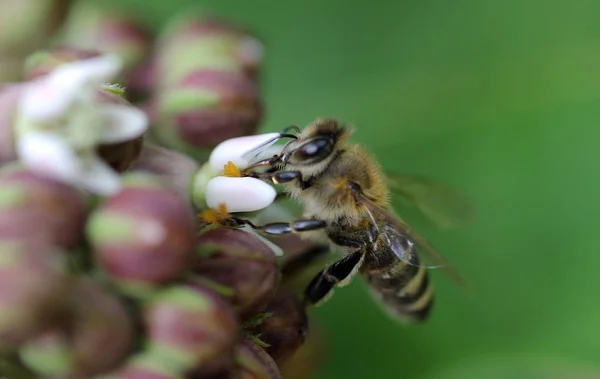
[[280, 228]]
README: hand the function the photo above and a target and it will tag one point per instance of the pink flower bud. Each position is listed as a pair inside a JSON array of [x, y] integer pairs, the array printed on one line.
[[108, 30], [9, 98], [243, 264], [43, 62], [194, 42], [143, 235], [26, 25], [284, 329], [33, 289], [40, 207], [196, 327], [252, 362], [97, 338], [205, 108]]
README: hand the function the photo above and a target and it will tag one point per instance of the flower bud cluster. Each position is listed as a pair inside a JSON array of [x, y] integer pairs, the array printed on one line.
[[106, 270]]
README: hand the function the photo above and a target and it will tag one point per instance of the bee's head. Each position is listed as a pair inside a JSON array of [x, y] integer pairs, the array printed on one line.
[[315, 146]]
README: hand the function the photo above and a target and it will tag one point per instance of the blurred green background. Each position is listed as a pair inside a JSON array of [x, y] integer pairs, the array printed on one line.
[[499, 98]]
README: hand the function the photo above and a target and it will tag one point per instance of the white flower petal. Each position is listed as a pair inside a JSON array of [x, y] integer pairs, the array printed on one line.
[[48, 154], [233, 150], [121, 122], [45, 100], [93, 71], [49, 97], [98, 177], [239, 194]]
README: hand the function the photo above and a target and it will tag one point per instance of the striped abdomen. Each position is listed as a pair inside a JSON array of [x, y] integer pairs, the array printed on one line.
[[404, 289]]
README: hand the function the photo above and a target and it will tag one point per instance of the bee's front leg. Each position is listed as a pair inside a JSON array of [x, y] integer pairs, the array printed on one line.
[[280, 177]]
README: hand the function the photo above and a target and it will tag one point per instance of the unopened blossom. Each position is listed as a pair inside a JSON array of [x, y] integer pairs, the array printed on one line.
[[108, 30], [206, 107], [96, 338], [33, 289], [144, 235], [194, 325], [206, 87], [193, 41], [26, 25], [241, 264], [35, 206], [43, 62], [60, 123], [251, 362], [285, 327]]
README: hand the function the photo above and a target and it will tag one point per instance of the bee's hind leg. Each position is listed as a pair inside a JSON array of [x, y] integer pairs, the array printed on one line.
[[336, 274]]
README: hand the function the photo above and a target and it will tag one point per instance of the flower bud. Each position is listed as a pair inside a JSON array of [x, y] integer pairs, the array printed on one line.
[[9, 98], [205, 108], [147, 364], [140, 82], [119, 155], [252, 362], [284, 329], [97, 338], [194, 42], [33, 288], [109, 30], [43, 62], [26, 25], [36, 206], [194, 326], [144, 235], [241, 263]]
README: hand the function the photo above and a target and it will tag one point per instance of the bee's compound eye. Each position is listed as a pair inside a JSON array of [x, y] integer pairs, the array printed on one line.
[[314, 150]]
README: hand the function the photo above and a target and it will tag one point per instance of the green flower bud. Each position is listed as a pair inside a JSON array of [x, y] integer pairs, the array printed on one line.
[[32, 205], [144, 235], [205, 108], [285, 327], [194, 42], [192, 326], [107, 29], [43, 62], [96, 339], [241, 263], [33, 289]]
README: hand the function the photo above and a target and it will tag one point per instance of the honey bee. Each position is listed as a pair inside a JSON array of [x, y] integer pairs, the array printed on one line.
[[345, 196]]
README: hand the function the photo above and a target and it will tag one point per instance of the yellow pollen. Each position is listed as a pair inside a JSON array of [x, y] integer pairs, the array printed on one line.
[[231, 170], [209, 216], [222, 209], [213, 216]]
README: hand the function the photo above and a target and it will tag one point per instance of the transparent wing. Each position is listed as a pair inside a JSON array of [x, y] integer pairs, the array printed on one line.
[[444, 206], [408, 245], [260, 149], [263, 148]]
